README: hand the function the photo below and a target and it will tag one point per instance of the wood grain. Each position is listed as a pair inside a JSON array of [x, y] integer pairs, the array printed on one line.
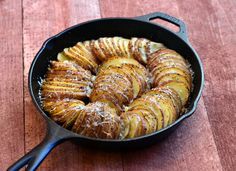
[[11, 88], [190, 147], [53, 17], [211, 28], [215, 40], [182, 150]]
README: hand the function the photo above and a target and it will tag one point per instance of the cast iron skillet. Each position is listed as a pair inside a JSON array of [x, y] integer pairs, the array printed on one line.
[[125, 27]]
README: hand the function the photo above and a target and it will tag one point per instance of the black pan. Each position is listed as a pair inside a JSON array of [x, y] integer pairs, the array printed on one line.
[[124, 27]]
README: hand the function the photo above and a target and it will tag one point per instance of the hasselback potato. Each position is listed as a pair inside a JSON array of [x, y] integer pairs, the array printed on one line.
[[115, 88], [119, 81], [66, 80]]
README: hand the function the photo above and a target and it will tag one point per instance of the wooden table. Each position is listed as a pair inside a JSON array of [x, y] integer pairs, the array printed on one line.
[[206, 141]]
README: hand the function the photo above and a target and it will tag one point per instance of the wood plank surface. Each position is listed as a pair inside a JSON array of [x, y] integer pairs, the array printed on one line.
[[11, 78], [206, 141], [53, 17], [212, 31]]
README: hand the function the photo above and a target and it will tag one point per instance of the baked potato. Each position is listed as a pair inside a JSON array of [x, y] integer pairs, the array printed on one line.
[[80, 54], [153, 111], [141, 48], [119, 80], [140, 87], [63, 111], [98, 120], [169, 69], [66, 80]]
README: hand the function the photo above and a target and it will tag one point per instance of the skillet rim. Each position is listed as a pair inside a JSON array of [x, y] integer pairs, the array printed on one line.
[[71, 134]]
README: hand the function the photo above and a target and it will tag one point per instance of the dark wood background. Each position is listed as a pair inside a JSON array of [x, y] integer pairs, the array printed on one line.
[[205, 141]]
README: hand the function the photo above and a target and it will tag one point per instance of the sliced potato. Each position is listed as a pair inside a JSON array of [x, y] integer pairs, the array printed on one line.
[[174, 98], [151, 120], [111, 46], [169, 102], [153, 47], [62, 58], [66, 80], [117, 61], [98, 120], [180, 88], [172, 70], [126, 47], [135, 123], [150, 104], [63, 111], [97, 50], [172, 77], [116, 46]]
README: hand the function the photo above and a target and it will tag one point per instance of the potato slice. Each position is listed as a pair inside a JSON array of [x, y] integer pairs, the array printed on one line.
[[97, 50], [167, 107], [122, 48], [172, 77], [169, 102], [117, 81], [175, 99], [62, 58], [135, 122], [180, 88], [142, 49], [72, 55], [149, 103], [63, 111], [126, 43], [126, 125], [133, 49], [145, 127], [76, 82], [117, 61], [101, 96], [169, 63], [172, 70], [91, 65], [153, 47], [105, 47], [163, 53], [98, 120], [111, 46], [136, 80], [151, 120]]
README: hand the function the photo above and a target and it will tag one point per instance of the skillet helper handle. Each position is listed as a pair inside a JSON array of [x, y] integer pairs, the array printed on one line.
[[35, 157], [182, 27]]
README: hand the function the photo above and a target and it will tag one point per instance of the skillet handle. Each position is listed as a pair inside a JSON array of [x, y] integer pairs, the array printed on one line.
[[35, 157], [182, 27]]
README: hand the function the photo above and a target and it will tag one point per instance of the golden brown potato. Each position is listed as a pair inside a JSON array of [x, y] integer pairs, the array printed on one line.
[[80, 55], [137, 72], [181, 88], [169, 69], [63, 111], [153, 111], [115, 84], [108, 47], [98, 120], [141, 48], [66, 80], [119, 80], [121, 104]]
